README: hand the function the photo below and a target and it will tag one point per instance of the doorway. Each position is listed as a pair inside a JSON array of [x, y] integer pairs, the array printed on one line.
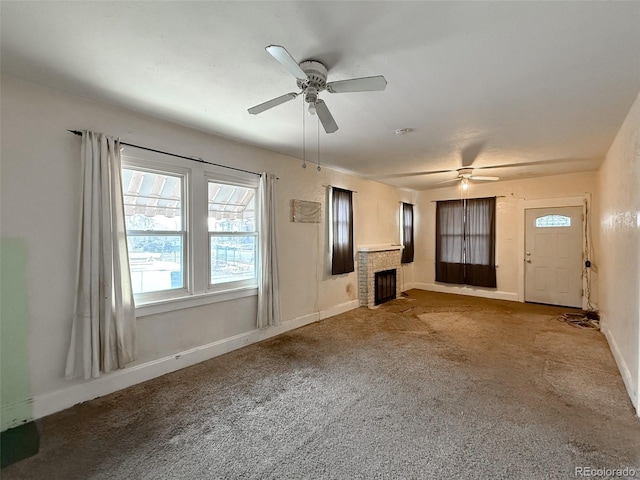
[[553, 256]]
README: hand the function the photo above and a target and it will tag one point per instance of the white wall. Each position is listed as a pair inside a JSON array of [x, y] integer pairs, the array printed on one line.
[[619, 181], [513, 197], [40, 210]]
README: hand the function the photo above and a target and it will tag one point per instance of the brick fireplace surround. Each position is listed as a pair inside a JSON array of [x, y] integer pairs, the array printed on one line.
[[372, 259]]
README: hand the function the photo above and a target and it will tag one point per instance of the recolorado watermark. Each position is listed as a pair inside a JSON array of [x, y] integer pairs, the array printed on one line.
[[592, 472]]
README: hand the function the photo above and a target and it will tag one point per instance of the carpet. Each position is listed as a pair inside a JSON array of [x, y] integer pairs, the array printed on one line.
[[429, 386]]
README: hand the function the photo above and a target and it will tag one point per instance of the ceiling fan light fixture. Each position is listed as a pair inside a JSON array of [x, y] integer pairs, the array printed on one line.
[[464, 184], [312, 108]]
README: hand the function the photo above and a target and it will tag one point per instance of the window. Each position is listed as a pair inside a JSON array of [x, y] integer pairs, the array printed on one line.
[[156, 233], [553, 221], [192, 232], [341, 231], [406, 230], [232, 233], [465, 242]]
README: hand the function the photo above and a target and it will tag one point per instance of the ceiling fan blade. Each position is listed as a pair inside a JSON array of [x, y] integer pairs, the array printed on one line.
[[413, 174], [535, 164], [325, 117], [484, 179], [272, 103], [364, 84], [280, 54], [449, 181]]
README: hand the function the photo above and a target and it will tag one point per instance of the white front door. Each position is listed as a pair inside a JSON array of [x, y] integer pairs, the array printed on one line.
[[553, 256]]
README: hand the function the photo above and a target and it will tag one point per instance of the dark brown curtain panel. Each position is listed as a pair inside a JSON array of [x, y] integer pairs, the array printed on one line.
[[342, 248], [450, 241], [480, 242], [466, 242], [407, 232]]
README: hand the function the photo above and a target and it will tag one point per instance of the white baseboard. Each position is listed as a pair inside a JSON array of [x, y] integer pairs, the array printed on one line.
[[465, 290], [409, 286], [59, 400], [632, 388], [338, 309]]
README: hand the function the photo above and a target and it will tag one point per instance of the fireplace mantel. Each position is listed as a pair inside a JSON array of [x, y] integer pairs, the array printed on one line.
[[379, 247]]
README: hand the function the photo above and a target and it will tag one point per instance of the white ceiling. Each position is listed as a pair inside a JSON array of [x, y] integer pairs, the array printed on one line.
[[541, 84]]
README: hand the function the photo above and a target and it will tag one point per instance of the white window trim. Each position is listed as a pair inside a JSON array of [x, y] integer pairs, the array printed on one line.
[[197, 290], [179, 303]]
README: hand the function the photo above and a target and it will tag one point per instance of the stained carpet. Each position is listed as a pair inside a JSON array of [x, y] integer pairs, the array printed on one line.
[[429, 386]]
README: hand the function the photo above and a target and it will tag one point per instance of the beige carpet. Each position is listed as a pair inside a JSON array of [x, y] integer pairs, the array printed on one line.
[[428, 386]]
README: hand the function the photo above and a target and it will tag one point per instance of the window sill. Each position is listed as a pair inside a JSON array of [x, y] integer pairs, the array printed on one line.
[[190, 301]]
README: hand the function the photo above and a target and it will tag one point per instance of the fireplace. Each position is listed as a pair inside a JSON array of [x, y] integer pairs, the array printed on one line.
[[374, 289], [385, 285]]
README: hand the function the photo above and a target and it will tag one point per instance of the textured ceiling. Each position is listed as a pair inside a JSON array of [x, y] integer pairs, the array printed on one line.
[[545, 85]]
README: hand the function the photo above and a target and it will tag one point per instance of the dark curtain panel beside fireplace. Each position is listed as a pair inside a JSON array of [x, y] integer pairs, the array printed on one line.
[[342, 225], [465, 242], [407, 232]]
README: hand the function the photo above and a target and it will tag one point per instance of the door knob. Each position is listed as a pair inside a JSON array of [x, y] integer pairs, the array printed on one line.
[[528, 260]]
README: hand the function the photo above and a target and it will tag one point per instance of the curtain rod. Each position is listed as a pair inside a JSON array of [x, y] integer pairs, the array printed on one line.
[[473, 198], [193, 159], [333, 186]]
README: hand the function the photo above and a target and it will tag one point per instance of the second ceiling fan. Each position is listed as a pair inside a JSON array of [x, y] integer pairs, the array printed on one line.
[[311, 78], [465, 175]]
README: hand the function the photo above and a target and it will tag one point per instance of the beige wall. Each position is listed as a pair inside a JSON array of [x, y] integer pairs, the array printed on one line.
[[619, 180], [513, 197], [40, 209], [40, 196]]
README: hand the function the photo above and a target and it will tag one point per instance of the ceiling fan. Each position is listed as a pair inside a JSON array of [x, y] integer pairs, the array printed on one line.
[[465, 175], [311, 78]]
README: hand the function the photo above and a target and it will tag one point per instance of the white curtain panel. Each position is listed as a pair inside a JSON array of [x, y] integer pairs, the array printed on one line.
[[103, 335], [268, 287]]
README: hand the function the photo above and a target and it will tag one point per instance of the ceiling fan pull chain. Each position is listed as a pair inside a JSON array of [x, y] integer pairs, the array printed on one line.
[[318, 122], [304, 161]]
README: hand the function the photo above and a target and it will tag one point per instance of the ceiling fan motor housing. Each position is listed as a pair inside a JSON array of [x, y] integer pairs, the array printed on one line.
[[465, 172], [316, 80]]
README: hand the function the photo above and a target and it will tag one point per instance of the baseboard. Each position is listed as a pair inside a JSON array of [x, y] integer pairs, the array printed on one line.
[[59, 400], [464, 290], [409, 286], [632, 390], [338, 309]]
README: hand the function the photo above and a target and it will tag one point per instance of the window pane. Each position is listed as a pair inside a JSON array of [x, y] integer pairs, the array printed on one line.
[[152, 201], [156, 262], [553, 221], [233, 258], [231, 208]]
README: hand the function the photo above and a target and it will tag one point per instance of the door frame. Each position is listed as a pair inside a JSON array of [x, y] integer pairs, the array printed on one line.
[[583, 201]]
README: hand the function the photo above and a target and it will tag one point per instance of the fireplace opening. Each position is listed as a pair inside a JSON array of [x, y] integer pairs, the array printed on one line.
[[385, 286]]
